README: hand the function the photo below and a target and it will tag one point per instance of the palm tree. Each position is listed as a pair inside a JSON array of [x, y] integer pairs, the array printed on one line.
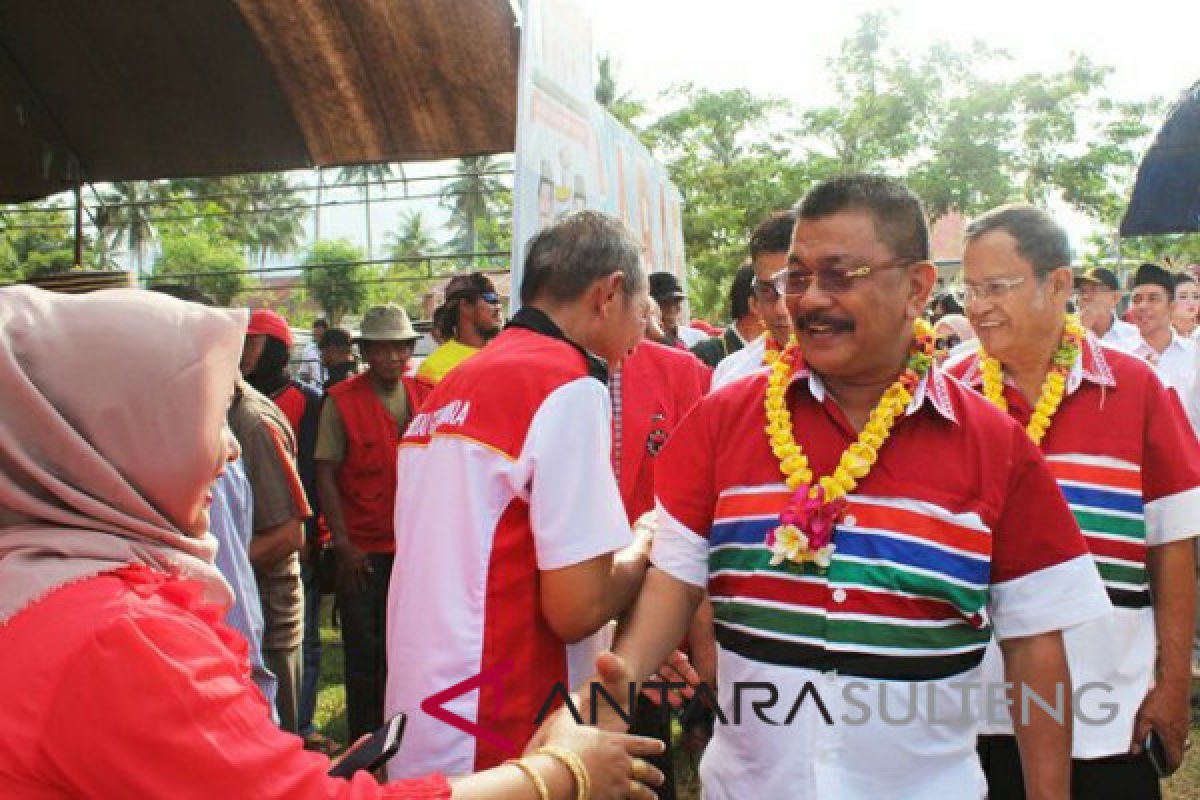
[[269, 223], [469, 197], [130, 219], [366, 174]]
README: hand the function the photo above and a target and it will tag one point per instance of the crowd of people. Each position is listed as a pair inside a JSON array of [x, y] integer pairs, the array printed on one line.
[[870, 488]]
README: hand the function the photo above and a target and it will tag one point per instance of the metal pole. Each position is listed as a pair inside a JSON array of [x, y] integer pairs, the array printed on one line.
[[78, 223]]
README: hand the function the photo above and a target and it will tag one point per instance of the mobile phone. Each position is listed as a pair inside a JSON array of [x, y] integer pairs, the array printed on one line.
[[375, 751], [1157, 752]]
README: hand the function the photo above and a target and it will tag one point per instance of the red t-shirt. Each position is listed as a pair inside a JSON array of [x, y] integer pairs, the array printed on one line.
[[131, 687]]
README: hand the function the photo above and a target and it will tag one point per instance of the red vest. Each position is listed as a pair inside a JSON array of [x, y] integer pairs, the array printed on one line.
[[367, 475]]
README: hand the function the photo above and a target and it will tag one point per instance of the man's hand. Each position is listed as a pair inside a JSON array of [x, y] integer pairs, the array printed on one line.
[[615, 677], [353, 568], [677, 672], [1166, 710]]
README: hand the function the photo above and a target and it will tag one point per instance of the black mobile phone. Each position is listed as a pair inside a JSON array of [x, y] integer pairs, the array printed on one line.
[[1157, 752], [375, 751]]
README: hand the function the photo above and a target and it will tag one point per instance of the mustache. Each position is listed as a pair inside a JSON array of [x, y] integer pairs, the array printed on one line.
[[817, 318]]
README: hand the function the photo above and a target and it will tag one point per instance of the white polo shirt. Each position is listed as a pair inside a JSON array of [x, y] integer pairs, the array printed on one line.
[[1177, 367]]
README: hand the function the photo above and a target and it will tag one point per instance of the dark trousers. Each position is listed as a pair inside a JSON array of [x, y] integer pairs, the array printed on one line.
[[364, 629], [1123, 777], [655, 721], [311, 653]]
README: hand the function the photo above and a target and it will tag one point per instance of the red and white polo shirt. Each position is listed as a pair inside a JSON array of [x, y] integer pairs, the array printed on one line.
[[1124, 456], [505, 473], [957, 534]]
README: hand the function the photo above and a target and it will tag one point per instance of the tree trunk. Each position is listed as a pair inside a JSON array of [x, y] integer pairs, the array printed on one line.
[[317, 209]]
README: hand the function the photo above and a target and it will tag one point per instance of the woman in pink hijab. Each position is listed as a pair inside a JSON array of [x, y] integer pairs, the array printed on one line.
[[122, 679]]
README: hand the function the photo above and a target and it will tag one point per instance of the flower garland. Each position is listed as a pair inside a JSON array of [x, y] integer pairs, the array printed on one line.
[[1053, 387], [807, 522], [771, 349]]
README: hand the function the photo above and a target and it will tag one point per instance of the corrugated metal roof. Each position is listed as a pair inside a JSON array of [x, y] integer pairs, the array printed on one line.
[[145, 89]]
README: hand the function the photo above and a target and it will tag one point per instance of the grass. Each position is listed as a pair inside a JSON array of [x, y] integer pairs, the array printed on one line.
[[330, 719]]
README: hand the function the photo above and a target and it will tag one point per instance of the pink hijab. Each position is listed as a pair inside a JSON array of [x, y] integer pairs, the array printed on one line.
[[110, 423]]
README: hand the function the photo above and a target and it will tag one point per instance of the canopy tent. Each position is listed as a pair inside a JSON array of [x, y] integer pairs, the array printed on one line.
[[1166, 196], [145, 89]]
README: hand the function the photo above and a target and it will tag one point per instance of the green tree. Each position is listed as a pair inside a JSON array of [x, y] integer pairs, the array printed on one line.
[[621, 104], [133, 206], [366, 174], [732, 167], [213, 265], [334, 278], [471, 197], [37, 241], [409, 246]]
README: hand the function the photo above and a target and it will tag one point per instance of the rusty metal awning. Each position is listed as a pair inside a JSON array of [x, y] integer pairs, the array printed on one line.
[[143, 89]]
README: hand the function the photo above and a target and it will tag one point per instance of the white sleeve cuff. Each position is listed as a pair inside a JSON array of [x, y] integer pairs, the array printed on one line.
[[1173, 518], [1051, 599], [679, 552]]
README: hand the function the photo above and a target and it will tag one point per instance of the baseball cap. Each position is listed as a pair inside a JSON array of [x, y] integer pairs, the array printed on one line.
[[269, 323], [665, 286], [1102, 276]]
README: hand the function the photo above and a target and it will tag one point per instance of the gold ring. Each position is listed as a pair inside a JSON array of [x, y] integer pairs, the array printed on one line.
[[639, 769], [635, 788]]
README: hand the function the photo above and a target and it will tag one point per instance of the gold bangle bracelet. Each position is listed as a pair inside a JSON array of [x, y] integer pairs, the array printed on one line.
[[538, 782], [571, 760]]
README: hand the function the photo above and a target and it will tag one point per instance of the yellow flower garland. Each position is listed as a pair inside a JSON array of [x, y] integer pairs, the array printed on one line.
[[1053, 388], [860, 456]]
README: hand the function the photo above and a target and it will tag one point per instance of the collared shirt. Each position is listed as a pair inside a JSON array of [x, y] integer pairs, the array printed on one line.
[[232, 506], [957, 533], [1121, 334], [738, 365], [1121, 451], [504, 473], [446, 357], [1177, 367]]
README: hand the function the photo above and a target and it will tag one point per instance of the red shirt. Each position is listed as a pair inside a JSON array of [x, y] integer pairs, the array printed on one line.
[[659, 385], [131, 687]]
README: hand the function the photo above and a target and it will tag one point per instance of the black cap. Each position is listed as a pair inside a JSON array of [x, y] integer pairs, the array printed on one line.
[[664, 286], [1101, 275], [1153, 274]]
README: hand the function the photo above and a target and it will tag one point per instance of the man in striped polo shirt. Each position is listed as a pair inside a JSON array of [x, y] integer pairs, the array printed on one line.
[[1119, 444], [954, 533]]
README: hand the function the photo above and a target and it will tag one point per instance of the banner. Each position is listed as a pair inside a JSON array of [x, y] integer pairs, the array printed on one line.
[[572, 154]]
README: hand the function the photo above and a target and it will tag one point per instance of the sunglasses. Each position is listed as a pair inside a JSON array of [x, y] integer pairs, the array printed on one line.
[[490, 297]]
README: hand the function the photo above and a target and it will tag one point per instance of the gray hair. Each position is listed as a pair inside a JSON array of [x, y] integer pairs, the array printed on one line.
[[564, 259], [1040, 240]]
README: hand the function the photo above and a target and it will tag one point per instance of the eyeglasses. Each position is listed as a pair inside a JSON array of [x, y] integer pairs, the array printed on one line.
[[834, 281], [490, 297], [992, 290]]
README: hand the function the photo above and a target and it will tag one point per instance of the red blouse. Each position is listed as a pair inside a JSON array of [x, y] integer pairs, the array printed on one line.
[[127, 685]]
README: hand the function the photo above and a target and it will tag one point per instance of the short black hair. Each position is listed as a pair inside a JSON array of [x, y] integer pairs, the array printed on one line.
[[335, 337], [321, 322], [899, 220], [1040, 239], [945, 303], [566, 258], [773, 234], [1184, 277], [741, 291]]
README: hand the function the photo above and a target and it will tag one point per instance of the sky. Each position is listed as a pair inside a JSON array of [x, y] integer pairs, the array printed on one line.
[[781, 46]]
